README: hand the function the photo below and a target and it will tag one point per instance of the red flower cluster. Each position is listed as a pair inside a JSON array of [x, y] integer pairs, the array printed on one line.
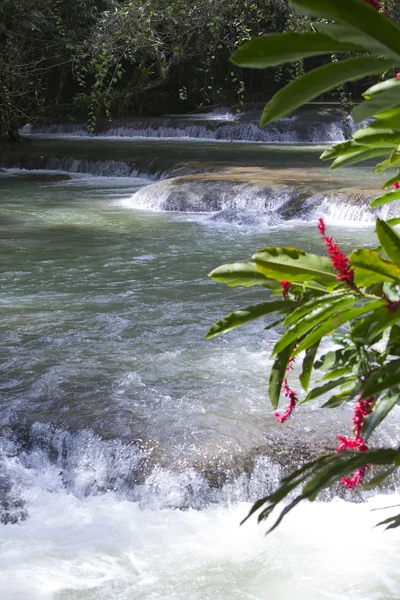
[[396, 184], [362, 408], [340, 262], [289, 393]]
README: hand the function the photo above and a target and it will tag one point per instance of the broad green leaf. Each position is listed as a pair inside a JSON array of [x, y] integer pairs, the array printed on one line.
[[377, 104], [278, 373], [364, 278], [368, 329], [382, 138], [389, 240], [274, 324], [321, 80], [357, 156], [383, 86], [312, 319], [335, 358], [342, 149], [394, 221], [330, 385], [336, 373], [357, 14], [290, 264], [310, 305], [338, 399], [245, 315], [277, 48], [382, 409], [391, 120], [333, 322], [373, 261], [383, 166], [243, 274], [385, 198], [308, 363], [347, 33]]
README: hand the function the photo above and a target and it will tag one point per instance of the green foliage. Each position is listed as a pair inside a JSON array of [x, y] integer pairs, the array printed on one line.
[[322, 294]]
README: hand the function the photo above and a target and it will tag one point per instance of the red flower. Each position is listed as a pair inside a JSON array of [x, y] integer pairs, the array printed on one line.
[[354, 481], [362, 408], [396, 185], [340, 262], [289, 393], [285, 285]]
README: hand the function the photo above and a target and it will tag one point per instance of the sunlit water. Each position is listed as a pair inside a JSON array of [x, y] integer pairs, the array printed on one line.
[[128, 453]]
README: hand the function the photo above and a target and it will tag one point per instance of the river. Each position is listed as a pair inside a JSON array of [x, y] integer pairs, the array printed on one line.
[[131, 447]]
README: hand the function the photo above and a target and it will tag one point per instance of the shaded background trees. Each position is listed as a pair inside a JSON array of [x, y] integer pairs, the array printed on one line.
[[101, 57]]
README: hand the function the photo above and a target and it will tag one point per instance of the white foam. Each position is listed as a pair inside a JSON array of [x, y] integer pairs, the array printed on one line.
[[105, 548]]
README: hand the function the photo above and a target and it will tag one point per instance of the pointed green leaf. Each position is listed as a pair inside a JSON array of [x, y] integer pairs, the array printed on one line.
[[242, 274], [357, 14], [357, 156], [382, 409], [385, 198], [373, 261], [333, 322], [338, 399], [374, 106], [310, 305], [330, 385], [347, 33], [311, 320], [383, 86], [389, 240], [369, 329], [336, 373], [277, 48], [245, 315], [317, 82], [342, 149], [308, 363], [383, 138], [290, 264], [277, 375]]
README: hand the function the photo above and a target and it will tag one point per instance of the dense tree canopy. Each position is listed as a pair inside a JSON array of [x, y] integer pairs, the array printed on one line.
[[102, 57]]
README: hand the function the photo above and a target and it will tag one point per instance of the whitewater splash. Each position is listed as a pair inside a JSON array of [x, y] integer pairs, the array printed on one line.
[[259, 205], [72, 544]]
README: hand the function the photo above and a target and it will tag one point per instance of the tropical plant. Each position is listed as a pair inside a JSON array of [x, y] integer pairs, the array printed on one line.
[[321, 294]]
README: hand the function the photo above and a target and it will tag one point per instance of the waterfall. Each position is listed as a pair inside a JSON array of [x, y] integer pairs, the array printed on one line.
[[219, 127]]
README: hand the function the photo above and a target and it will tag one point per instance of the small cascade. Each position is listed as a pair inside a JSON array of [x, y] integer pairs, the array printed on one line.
[[207, 126], [230, 202], [85, 465], [258, 205], [346, 206]]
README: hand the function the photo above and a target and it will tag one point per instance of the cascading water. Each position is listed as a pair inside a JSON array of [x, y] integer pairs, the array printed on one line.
[[222, 126], [131, 448]]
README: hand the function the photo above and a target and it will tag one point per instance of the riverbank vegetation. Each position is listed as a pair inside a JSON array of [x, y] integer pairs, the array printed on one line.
[[351, 301], [93, 58]]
